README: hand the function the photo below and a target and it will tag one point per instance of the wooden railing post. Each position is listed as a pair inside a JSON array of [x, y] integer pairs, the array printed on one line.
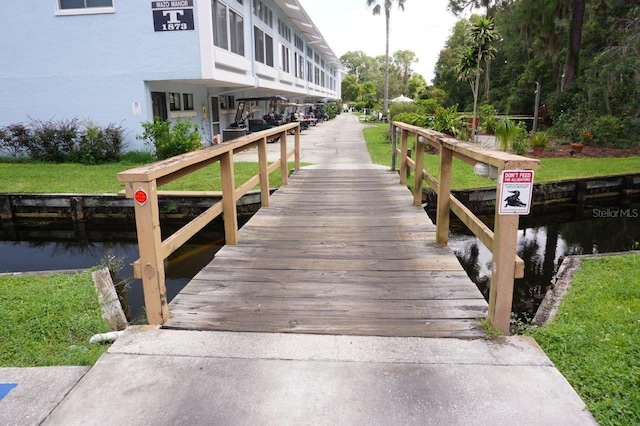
[[444, 202], [505, 238], [149, 245], [263, 172], [404, 142], [284, 169], [297, 148], [417, 181], [229, 213], [394, 147]]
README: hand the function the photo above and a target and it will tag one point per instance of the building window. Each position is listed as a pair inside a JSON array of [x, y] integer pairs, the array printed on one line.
[[309, 52], [299, 64], [220, 25], [227, 27], [316, 74], [236, 24], [174, 102], [263, 12], [299, 43], [285, 58], [284, 31], [187, 101], [309, 72], [264, 47], [84, 4]]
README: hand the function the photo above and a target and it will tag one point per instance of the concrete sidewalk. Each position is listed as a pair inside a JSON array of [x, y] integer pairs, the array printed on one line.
[[169, 377]]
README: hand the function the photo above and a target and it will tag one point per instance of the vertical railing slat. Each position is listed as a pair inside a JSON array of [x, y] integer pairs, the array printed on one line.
[[147, 216], [444, 202], [264, 174], [229, 213]]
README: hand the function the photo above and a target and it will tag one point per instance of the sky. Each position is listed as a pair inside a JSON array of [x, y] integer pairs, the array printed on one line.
[[349, 25]]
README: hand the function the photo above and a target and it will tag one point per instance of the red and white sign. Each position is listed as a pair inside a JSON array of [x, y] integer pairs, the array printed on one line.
[[141, 196], [516, 189]]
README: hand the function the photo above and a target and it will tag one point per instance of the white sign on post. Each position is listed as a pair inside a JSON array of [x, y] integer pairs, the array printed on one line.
[[516, 189]]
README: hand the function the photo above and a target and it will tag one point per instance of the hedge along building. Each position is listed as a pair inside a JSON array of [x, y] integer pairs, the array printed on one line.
[[124, 62]]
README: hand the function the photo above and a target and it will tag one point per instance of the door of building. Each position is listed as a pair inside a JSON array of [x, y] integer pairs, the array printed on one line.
[[159, 101], [215, 119]]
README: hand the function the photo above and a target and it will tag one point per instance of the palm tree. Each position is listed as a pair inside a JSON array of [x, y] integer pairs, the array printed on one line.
[[480, 50], [377, 8]]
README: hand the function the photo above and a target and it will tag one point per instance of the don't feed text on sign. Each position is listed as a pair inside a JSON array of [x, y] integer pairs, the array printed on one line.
[[516, 189]]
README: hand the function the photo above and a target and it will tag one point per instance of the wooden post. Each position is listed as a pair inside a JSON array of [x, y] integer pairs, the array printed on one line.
[[444, 200], [394, 147], [149, 245], [264, 174], [284, 168], [229, 213], [297, 148], [404, 141], [417, 180], [505, 236]]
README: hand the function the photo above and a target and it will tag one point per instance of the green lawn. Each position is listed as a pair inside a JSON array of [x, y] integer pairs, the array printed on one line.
[[551, 169], [78, 178], [595, 338], [48, 320]]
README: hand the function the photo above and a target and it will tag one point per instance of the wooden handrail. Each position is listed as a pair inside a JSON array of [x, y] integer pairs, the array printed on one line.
[[145, 181], [506, 265]]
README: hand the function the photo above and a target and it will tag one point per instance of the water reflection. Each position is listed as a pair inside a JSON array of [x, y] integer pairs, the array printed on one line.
[[544, 239], [35, 247]]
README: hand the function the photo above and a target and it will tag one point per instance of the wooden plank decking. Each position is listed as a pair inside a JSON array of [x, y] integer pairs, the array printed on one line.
[[338, 252]]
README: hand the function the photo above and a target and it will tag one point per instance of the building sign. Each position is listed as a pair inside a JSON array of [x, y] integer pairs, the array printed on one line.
[[173, 15], [516, 189]]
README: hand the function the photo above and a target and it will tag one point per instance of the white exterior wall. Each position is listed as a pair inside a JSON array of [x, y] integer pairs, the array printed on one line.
[[95, 66]]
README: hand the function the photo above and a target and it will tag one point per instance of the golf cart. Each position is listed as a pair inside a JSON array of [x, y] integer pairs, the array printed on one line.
[[245, 120]]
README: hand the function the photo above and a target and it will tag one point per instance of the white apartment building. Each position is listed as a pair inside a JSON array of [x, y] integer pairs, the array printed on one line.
[[126, 61]]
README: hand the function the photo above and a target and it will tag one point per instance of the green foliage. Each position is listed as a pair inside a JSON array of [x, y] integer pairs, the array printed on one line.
[[53, 141], [447, 120], [594, 339], [169, 140], [506, 133], [14, 140], [63, 141], [539, 140], [412, 118], [48, 320], [99, 145], [137, 157], [607, 130], [402, 108]]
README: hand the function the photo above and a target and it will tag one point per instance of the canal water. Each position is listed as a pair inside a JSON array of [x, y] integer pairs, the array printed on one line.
[[544, 238]]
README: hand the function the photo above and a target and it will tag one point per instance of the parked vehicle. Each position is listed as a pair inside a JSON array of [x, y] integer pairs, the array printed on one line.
[[245, 119]]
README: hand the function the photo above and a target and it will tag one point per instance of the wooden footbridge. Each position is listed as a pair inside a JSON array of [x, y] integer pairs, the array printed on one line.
[[336, 250]]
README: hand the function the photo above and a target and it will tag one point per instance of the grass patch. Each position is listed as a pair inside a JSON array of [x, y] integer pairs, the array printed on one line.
[[48, 320], [594, 341], [78, 178], [463, 177]]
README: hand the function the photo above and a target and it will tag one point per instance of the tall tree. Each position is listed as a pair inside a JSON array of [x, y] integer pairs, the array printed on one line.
[[575, 42], [480, 49], [377, 9], [403, 60]]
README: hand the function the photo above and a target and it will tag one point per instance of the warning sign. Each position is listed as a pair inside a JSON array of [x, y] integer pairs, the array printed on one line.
[[516, 189]]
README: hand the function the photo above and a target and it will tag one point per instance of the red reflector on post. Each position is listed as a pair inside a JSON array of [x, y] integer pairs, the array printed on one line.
[[140, 196]]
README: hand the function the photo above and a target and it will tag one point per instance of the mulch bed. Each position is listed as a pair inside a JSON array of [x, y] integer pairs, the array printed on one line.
[[587, 151]]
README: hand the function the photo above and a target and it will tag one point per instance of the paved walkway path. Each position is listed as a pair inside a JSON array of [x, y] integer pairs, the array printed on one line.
[[168, 377]]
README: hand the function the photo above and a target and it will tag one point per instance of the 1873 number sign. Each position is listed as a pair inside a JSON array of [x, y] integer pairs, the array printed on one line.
[[172, 15]]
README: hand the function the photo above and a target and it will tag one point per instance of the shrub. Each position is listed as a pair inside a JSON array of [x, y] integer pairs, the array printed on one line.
[[99, 145], [14, 140], [167, 140], [53, 141], [448, 121], [607, 131], [412, 118], [402, 108]]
